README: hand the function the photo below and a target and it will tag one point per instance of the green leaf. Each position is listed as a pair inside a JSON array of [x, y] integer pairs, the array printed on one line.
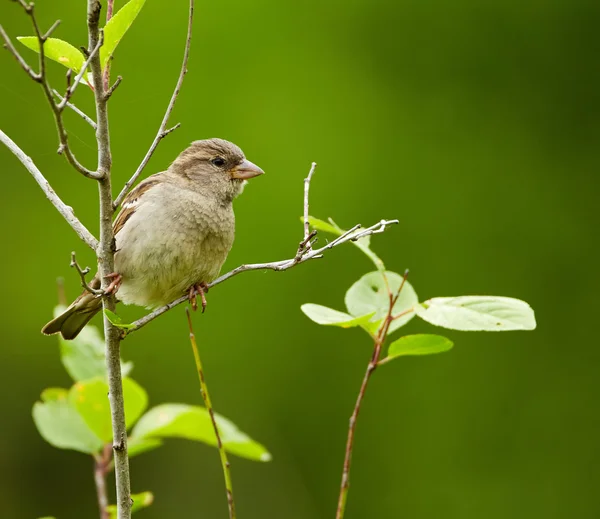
[[478, 313], [137, 446], [194, 423], [57, 50], [59, 423], [420, 344], [321, 225], [140, 501], [330, 317], [116, 28], [370, 294], [115, 320], [83, 357], [90, 398]]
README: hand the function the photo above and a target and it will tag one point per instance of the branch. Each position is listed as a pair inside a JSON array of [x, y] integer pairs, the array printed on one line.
[[11, 48], [207, 402], [42, 79], [106, 265], [79, 112], [162, 130], [305, 253], [63, 209], [373, 363]]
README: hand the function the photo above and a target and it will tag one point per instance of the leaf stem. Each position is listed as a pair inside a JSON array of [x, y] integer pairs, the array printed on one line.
[[206, 397]]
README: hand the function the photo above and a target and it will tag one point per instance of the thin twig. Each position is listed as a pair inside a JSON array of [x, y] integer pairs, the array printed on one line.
[[110, 91], [371, 367], [11, 48], [78, 111], [82, 273], [110, 4], [63, 209], [275, 265], [207, 402], [306, 192], [163, 125], [101, 468]]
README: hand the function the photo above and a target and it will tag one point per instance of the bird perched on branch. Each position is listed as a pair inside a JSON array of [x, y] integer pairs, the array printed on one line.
[[173, 233]]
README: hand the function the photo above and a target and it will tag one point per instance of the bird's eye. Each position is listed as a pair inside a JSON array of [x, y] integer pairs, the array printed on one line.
[[218, 161]]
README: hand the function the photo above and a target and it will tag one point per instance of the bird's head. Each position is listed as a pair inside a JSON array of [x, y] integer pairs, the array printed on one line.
[[215, 166]]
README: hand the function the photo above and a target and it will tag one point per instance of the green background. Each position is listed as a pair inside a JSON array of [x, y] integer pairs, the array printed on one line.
[[476, 124]]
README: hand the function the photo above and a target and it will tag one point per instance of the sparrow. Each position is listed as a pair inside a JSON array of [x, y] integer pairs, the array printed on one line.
[[173, 233]]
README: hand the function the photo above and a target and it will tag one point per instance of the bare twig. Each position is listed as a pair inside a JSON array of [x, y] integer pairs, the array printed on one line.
[[11, 48], [110, 4], [371, 367], [78, 111], [306, 192], [110, 91], [82, 273], [162, 132], [207, 402], [63, 209], [303, 255]]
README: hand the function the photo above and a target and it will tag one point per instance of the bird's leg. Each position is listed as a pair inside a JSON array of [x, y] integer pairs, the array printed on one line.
[[198, 288], [115, 284]]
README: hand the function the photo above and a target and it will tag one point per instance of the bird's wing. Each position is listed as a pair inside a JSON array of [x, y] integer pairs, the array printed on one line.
[[132, 200]]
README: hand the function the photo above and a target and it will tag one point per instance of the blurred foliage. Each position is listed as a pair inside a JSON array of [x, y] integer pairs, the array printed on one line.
[[80, 419], [475, 124]]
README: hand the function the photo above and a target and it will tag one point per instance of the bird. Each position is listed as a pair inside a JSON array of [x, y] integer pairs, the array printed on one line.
[[172, 235]]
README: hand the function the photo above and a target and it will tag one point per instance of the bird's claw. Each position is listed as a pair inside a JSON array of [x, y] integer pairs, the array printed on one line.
[[115, 284], [198, 288]]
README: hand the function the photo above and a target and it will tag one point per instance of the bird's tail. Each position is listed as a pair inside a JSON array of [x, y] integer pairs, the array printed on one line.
[[74, 318]]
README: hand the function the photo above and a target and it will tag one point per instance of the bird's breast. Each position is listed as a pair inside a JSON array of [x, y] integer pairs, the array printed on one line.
[[173, 240]]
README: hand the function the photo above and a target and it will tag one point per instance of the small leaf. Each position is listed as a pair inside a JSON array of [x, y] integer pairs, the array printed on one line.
[[115, 320], [139, 501], [330, 317], [57, 50], [420, 344], [321, 225], [137, 446], [83, 357], [90, 398], [59, 423], [116, 28], [194, 423], [370, 294], [478, 313]]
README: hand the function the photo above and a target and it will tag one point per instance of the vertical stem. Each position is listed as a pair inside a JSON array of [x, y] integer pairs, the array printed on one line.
[[110, 4], [207, 402], [105, 254], [100, 470], [372, 366]]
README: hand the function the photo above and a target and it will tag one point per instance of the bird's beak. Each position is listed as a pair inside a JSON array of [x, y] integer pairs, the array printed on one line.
[[246, 170]]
